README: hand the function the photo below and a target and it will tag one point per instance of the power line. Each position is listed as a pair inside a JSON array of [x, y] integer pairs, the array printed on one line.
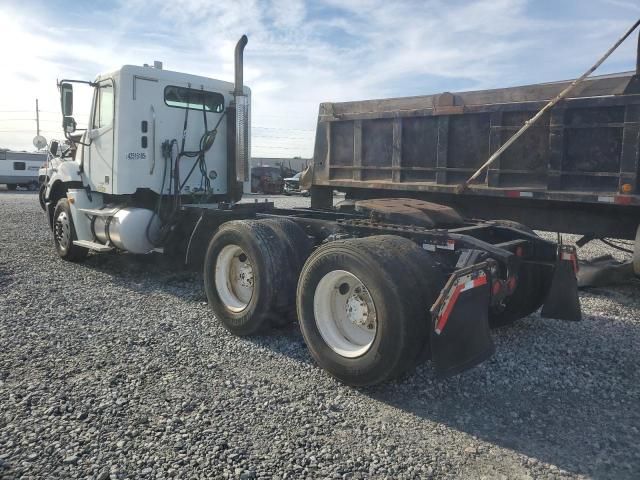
[[288, 129], [273, 147], [29, 111], [49, 120], [31, 131], [288, 139]]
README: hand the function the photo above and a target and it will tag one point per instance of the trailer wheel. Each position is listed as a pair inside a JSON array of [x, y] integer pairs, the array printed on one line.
[[11, 186], [362, 311], [247, 276], [64, 233]]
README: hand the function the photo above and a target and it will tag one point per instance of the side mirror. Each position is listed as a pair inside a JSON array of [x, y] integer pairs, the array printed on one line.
[[66, 99], [69, 124], [53, 148]]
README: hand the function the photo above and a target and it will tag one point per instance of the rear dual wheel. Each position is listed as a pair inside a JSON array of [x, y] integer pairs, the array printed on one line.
[[363, 304], [250, 273], [363, 307]]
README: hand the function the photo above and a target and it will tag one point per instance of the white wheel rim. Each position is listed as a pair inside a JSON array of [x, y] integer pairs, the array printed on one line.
[[62, 230], [234, 278], [345, 314]]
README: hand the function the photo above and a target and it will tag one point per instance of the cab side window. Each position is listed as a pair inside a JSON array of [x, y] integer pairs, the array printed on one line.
[[104, 107]]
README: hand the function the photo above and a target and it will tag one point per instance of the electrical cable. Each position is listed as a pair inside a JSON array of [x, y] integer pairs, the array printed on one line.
[[612, 244], [206, 142]]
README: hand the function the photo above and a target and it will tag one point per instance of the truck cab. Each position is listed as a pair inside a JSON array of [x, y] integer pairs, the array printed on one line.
[[134, 110], [154, 139]]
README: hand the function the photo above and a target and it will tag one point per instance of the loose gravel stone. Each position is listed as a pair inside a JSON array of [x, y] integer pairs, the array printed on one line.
[[116, 369]]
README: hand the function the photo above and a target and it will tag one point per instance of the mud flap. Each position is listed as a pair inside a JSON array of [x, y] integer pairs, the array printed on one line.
[[460, 337], [562, 300]]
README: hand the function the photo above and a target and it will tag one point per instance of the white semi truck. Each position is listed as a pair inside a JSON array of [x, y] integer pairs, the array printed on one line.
[[377, 286]]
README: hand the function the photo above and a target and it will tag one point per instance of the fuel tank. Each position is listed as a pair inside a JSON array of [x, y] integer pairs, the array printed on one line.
[[135, 230]]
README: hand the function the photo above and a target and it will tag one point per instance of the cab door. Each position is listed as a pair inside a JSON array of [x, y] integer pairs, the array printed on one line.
[[101, 148]]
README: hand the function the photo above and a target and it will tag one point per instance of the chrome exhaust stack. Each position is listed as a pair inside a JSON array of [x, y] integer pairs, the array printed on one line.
[[242, 116]]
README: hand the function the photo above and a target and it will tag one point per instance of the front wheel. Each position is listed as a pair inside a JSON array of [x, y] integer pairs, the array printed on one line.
[[41, 196], [64, 233], [11, 186]]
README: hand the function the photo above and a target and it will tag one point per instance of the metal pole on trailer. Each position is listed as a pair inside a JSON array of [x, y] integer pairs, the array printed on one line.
[[463, 186]]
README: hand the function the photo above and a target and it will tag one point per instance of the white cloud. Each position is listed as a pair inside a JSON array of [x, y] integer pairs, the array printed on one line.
[[301, 54]]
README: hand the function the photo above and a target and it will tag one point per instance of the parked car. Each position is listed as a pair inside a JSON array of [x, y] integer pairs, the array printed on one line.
[[292, 185], [266, 180]]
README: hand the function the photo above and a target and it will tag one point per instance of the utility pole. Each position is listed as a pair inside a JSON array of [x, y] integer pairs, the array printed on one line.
[[37, 119], [38, 141]]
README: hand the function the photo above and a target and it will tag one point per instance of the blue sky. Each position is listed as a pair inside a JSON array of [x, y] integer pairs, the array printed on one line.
[[302, 53]]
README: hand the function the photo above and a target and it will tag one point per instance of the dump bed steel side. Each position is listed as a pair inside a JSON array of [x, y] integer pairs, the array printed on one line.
[[585, 151]]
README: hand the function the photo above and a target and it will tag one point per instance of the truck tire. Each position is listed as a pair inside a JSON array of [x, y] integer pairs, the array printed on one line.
[[362, 309], [11, 186], [516, 225], [247, 275], [41, 194], [64, 233], [299, 247], [531, 290]]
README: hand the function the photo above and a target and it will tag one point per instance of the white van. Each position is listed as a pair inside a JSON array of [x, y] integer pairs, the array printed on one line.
[[20, 168]]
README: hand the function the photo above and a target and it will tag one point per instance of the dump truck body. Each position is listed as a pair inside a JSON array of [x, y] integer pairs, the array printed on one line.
[[576, 170]]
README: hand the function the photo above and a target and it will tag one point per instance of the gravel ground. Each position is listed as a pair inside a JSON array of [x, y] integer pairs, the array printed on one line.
[[116, 369]]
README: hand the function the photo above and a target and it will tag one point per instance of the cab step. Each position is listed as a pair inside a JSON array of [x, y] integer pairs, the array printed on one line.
[[98, 247]]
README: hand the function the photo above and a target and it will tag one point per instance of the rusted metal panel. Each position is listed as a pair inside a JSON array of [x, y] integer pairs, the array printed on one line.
[[615, 84], [585, 148], [419, 148], [630, 154], [396, 153], [357, 150], [447, 104], [408, 211], [443, 150], [495, 140], [377, 150]]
